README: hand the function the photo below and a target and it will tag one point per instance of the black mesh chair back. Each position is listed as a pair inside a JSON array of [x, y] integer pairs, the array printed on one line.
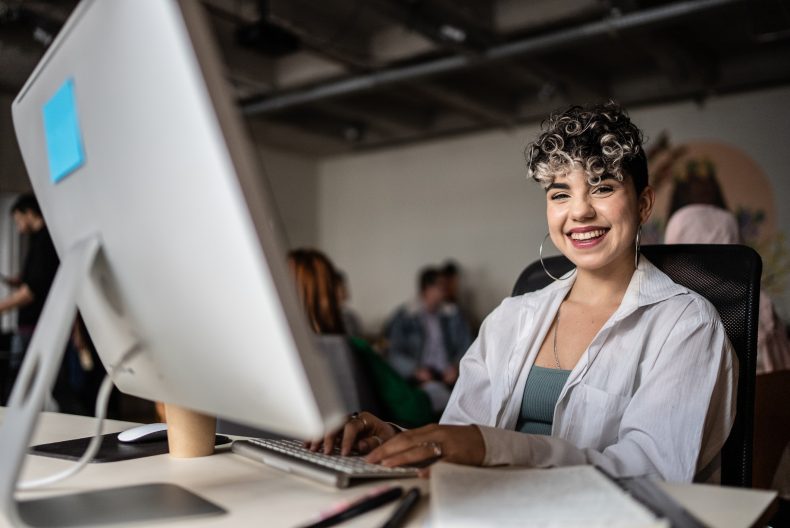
[[729, 277]]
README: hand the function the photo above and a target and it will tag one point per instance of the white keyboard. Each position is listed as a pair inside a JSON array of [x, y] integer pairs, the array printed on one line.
[[336, 470]]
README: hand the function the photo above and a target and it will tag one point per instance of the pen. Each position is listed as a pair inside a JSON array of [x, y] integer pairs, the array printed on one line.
[[403, 509], [368, 502]]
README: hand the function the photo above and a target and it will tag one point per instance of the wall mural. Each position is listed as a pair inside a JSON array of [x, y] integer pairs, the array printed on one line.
[[700, 170]]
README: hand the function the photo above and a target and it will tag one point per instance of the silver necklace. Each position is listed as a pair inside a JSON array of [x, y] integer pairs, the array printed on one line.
[[556, 326]]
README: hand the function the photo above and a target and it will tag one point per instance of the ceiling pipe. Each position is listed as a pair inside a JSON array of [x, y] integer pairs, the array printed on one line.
[[527, 46]]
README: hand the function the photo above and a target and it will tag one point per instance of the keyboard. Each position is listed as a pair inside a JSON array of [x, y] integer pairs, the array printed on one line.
[[334, 469]]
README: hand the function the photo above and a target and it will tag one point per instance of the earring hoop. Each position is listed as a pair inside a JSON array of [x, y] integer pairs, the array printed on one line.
[[540, 256], [636, 254]]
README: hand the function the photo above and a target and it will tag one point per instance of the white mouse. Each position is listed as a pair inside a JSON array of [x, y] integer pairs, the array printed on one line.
[[144, 433]]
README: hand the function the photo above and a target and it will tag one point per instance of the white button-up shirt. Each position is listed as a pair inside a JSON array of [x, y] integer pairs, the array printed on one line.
[[654, 393]]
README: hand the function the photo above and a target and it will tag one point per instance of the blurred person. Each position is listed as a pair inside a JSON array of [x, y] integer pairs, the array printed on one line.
[[451, 273], [428, 337], [613, 364], [710, 224], [698, 184], [31, 288], [92, 372], [350, 318], [317, 287]]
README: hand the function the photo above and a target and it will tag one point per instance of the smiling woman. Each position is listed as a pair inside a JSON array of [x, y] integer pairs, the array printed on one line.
[[613, 365]]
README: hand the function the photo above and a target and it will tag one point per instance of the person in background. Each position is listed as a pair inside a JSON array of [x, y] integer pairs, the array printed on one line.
[[317, 287], [31, 288], [451, 272], [711, 224], [698, 184], [428, 337], [350, 317], [93, 371]]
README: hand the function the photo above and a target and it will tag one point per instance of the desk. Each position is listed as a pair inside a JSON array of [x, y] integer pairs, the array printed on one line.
[[256, 495]]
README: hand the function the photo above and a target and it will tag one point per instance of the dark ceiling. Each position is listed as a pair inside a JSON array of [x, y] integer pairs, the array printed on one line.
[[329, 76]]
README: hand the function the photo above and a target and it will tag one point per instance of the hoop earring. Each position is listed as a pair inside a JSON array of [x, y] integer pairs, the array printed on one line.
[[540, 256], [636, 255]]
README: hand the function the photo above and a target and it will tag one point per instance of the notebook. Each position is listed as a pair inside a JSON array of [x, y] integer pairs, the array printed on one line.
[[463, 496]]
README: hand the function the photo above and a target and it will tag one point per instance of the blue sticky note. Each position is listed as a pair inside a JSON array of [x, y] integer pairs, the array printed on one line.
[[62, 133]]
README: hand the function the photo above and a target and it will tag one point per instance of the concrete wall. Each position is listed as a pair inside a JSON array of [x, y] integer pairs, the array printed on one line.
[[382, 215]]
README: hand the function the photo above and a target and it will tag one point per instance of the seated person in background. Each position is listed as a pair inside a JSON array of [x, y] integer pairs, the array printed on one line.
[[316, 284], [428, 337], [350, 317], [635, 370], [451, 273], [709, 224]]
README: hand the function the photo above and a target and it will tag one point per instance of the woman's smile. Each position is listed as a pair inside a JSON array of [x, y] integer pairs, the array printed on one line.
[[587, 237]]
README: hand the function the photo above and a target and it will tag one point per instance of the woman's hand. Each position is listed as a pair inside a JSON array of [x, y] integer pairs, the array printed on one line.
[[461, 444], [363, 432]]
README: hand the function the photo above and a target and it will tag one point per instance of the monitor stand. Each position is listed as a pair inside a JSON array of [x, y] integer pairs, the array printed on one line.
[[35, 380]]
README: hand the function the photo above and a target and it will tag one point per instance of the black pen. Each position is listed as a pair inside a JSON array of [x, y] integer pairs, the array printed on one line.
[[360, 506], [403, 509]]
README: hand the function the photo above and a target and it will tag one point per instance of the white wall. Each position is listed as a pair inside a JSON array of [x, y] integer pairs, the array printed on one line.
[[383, 215], [293, 181]]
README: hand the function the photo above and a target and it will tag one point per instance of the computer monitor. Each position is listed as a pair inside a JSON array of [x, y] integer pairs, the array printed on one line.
[[165, 228]]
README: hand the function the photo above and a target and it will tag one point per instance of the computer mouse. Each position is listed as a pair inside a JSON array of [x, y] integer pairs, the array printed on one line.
[[144, 433]]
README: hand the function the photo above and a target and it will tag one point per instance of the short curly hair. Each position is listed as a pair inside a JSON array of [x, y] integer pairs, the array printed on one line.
[[599, 139]]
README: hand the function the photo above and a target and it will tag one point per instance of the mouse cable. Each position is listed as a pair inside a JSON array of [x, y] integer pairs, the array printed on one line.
[[102, 402]]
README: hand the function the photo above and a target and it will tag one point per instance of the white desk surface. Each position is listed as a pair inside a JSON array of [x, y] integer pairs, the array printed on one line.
[[256, 495]]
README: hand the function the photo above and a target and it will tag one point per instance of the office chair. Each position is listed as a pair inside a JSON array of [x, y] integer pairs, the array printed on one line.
[[729, 277]]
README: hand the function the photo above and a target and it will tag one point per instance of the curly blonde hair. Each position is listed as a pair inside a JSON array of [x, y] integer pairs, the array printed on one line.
[[599, 139]]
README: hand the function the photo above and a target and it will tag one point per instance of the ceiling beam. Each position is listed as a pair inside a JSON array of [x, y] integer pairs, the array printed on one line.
[[318, 30], [470, 106], [525, 47], [579, 82], [439, 23], [681, 62], [294, 138], [375, 119], [325, 33]]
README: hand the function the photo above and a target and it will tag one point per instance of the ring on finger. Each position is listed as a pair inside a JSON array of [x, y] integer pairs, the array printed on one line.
[[435, 446], [357, 416], [378, 439]]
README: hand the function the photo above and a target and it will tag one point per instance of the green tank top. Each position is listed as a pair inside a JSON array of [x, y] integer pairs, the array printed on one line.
[[541, 393]]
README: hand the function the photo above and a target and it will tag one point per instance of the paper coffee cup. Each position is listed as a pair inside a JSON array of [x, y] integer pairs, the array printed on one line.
[[189, 433]]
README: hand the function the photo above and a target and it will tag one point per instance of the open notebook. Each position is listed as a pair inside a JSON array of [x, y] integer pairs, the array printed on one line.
[[582, 496]]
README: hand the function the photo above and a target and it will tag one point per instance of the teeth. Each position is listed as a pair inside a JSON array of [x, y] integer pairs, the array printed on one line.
[[588, 234]]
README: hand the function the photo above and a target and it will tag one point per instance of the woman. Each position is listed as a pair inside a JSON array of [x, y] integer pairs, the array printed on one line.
[[317, 287], [701, 223], [650, 377]]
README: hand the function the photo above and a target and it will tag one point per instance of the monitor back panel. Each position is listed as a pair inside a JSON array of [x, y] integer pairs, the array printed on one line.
[[191, 267]]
